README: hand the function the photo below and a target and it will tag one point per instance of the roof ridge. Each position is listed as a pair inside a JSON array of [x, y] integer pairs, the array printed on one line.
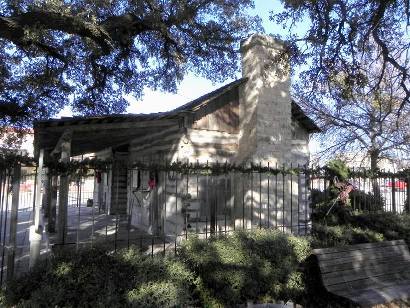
[[198, 102]]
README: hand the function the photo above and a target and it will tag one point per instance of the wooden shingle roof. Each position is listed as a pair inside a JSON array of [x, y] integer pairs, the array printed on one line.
[[94, 133]]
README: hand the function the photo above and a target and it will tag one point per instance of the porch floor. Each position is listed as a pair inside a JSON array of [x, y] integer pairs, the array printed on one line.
[[86, 227]]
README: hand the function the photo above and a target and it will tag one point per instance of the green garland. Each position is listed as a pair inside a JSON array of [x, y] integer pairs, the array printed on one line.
[[9, 159], [78, 168], [380, 174], [216, 168], [324, 172]]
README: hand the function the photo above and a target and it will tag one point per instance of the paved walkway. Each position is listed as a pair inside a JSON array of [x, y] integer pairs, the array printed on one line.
[[86, 226], [22, 242]]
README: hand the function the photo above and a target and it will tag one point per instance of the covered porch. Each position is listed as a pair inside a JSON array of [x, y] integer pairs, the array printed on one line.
[[64, 148]]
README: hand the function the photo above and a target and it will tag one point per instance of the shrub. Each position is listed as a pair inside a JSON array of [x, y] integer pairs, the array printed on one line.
[[330, 236], [319, 197], [341, 214], [363, 201], [363, 227], [338, 168], [156, 294], [392, 226], [332, 214], [258, 265], [406, 206], [95, 278]]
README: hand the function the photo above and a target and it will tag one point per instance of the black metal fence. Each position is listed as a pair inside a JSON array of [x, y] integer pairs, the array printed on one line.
[[386, 191], [15, 221], [155, 208]]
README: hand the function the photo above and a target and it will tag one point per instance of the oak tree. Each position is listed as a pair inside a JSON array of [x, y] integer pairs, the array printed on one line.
[[354, 70], [361, 120], [339, 32], [89, 53]]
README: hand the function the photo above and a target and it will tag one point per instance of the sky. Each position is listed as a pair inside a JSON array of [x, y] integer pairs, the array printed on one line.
[[192, 86]]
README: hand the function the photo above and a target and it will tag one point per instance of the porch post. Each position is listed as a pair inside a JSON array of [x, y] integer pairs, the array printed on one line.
[[13, 221], [100, 191], [63, 197], [52, 203], [212, 205], [36, 230], [45, 203]]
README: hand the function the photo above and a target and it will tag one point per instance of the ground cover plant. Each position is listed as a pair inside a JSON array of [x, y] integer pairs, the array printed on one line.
[[97, 278], [261, 265], [258, 266]]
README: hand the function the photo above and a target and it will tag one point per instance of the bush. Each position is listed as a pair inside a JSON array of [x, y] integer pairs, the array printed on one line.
[[261, 265], [341, 214], [332, 214], [319, 197], [95, 278], [338, 168], [331, 236], [392, 226], [406, 207], [363, 201]]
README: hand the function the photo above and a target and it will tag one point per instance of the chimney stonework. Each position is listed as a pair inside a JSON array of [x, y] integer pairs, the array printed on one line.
[[265, 103], [265, 136]]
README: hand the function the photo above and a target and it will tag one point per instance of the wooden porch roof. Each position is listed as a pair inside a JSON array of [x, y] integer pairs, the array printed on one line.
[[95, 133]]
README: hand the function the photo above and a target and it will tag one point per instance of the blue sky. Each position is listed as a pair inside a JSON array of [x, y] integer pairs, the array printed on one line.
[[192, 86]]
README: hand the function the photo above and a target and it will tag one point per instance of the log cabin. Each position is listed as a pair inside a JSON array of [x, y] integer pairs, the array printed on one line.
[[250, 120]]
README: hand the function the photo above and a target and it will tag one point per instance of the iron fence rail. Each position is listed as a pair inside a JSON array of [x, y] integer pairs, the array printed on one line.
[[157, 209]]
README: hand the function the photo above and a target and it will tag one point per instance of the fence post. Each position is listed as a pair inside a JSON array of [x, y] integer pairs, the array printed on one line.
[[3, 223], [45, 203], [393, 194], [36, 229], [407, 205], [13, 221], [52, 197], [63, 196]]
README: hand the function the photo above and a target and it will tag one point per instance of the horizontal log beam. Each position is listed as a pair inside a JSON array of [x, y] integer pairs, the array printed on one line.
[[107, 126], [207, 136], [152, 136], [172, 139]]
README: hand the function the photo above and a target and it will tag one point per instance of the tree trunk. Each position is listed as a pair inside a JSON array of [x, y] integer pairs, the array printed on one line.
[[374, 157]]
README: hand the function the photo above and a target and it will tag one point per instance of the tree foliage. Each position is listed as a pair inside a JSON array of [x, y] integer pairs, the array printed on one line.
[[88, 53], [362, 118], [340, 32], [355, 69]]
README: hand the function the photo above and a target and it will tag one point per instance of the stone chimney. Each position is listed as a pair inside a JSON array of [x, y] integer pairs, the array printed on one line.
[[265, 102]]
